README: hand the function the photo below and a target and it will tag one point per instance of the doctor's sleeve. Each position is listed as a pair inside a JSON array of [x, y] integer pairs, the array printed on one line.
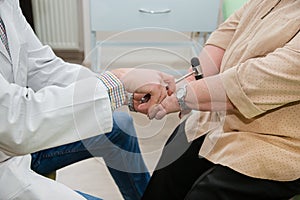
[[31, 121]]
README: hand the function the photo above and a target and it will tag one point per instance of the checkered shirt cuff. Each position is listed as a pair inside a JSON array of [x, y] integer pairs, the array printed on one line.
[[115, 89]]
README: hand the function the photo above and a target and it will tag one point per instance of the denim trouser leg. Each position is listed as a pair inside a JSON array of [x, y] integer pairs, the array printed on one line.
[[119, 149], [88, 197]]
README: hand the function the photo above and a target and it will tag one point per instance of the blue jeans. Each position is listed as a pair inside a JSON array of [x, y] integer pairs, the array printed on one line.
[[88, 197], [119, 149]]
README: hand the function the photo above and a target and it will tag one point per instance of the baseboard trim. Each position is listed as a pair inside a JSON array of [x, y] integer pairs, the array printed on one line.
[[70, 55]]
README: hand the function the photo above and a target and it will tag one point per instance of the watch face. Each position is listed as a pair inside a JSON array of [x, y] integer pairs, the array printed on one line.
[[180, 93]]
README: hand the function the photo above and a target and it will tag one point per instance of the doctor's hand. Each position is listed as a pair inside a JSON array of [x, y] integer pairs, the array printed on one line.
[[146, 81]]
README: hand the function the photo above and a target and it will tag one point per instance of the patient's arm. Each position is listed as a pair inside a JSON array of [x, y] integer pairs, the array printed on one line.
[[206, 94]]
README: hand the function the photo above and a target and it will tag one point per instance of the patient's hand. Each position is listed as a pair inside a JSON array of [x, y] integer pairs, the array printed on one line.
[[168, 105]]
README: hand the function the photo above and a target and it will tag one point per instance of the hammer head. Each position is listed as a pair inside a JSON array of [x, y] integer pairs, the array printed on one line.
[[196, 68]]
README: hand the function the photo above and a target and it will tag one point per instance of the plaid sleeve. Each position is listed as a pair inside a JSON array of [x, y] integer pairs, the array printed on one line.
[[115, 89]]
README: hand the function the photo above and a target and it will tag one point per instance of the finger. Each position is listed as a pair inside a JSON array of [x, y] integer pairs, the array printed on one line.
[[140, 107], [153, 110], [143, 108], [155, 93], [146, 105], [138, 96], [163, 95], [170, 80], [161, 114], [137, 102]]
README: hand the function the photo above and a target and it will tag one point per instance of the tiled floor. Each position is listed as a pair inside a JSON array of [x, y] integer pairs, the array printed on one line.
[[91, 176]]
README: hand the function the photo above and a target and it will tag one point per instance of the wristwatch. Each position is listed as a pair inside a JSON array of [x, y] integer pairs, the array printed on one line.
[[130, 97], [180, 94]]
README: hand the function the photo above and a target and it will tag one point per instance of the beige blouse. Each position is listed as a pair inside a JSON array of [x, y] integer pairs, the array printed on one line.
[[260, 72]]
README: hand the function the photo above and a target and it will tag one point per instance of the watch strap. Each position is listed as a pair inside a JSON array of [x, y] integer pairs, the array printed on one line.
[[181, 98]]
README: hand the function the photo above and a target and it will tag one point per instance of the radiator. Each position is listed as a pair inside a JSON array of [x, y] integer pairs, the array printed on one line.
[[56, 23]]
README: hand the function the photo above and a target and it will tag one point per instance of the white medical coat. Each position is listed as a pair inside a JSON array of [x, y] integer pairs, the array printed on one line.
[[44, 102]]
